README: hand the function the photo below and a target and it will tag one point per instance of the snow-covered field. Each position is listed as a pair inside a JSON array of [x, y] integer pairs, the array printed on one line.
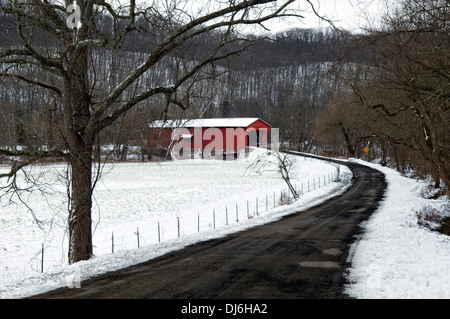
[[394, 258], [158, 206]]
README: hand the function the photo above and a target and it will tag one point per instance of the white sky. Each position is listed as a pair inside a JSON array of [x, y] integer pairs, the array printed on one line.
[[349, 14]]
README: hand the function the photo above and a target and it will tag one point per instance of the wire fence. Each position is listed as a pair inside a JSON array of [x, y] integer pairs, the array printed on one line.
[[48, 257]]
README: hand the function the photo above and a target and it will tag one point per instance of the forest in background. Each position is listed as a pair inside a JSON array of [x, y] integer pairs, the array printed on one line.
[[329, 92]]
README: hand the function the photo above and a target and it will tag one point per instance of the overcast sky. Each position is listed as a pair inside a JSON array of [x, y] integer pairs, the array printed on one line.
[[349, 14]]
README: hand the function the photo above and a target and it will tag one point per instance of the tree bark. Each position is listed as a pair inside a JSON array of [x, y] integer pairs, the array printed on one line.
[[77, 108], [80, 229], [81, 149]]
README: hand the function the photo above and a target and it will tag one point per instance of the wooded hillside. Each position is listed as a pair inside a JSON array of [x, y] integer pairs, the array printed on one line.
[[329, 92]]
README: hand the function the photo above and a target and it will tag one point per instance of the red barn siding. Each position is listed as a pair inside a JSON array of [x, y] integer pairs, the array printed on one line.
[[206, 138]]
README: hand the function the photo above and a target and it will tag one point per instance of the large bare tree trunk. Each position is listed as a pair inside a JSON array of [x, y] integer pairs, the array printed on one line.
[[77, 106], [80, 232]]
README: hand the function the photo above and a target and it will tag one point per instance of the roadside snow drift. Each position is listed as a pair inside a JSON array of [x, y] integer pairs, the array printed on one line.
[[397, 258]]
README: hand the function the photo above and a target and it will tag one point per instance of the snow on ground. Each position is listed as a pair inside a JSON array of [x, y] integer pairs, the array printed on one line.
[[397, 258], [394, 258], [155, 202]]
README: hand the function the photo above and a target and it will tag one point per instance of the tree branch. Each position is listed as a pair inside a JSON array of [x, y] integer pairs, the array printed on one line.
[[34, 82]]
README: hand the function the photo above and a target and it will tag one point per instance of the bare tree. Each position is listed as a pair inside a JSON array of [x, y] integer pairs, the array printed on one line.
[[285, 162], [62, 54], [275, 160]]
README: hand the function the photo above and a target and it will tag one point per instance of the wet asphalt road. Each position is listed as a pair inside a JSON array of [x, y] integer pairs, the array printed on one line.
[[303, 255]]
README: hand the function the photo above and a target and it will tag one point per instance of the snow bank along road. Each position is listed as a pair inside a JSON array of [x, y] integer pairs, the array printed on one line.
[[302, 255]]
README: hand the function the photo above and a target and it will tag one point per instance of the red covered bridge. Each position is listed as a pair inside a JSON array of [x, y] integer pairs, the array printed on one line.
[[218, 134]]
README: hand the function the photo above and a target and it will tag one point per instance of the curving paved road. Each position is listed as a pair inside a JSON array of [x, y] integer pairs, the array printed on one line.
[[303, 255]]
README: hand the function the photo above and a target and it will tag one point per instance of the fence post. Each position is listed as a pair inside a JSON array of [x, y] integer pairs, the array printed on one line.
[[137, 233], [42, 258], [214, 218], [257, 206], [226, 213], [248, 212], [112, 243], [159, 233], [237, 213]]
